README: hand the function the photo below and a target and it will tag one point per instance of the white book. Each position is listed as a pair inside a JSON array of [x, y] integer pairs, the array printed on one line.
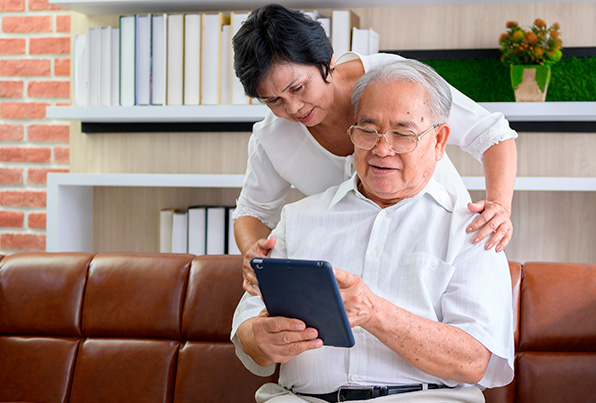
[[197, 230], [192, 59], [158, 59], [143, 60], [80, 70], [115, 67], [93, 68], [127, 60], [105, 66], [175, 59], [166, 218], [326, 24], [237, 95], [232, 247], [179, 232], [226, 64], [313, 14], [216, 230], [211, 57], [360, 41], [342, 22], [373, 42]]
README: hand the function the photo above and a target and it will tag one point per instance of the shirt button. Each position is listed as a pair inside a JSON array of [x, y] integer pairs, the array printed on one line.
[[353, 378], [434, 263], [373, 253], [383, 213], [357, 329]]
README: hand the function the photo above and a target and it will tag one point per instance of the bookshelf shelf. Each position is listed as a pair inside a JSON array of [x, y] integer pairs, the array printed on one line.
[[70, 198]]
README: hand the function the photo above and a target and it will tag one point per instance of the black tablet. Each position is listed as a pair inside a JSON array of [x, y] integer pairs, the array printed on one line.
[[305, 290]]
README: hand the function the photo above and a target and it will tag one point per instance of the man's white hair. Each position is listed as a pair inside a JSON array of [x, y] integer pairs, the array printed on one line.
[[438, 92]]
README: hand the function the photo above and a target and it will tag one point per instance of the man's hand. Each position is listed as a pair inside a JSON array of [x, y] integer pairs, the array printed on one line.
[[271, 340], [260, 248], [494, 219], [357, 297]]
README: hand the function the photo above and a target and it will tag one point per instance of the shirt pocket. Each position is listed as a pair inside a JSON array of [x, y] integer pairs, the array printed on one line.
[[423, 280]]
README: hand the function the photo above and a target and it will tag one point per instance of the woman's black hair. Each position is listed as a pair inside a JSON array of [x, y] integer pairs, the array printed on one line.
[[273, 34]]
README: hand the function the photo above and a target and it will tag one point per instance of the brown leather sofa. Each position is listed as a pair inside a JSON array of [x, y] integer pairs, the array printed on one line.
[[155, 328]]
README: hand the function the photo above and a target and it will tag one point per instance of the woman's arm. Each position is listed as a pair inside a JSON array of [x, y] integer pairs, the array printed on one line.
[[500, 169]]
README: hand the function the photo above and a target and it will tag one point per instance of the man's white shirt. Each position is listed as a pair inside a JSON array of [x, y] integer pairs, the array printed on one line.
[[417, 255]]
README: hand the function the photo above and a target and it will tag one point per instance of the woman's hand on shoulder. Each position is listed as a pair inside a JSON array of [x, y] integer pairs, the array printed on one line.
[[260, 248], [494, 221]]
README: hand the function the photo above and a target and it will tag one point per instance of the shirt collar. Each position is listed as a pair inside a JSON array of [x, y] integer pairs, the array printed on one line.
[[433, 188]]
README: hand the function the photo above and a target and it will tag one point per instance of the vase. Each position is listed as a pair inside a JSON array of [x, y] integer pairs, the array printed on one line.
[[530, 82]]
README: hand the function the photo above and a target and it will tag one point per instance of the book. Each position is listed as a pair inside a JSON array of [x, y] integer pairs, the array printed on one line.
[[232, 247], [127, 60], [237, 95], [93, 67], [365, 41], [326, 24], [158, 59], [197, 229], [115, 67], [143, 60], [80, 70], [105, 66], [211, 57], [179, 232], [342, 22], [175, 59], [226, 64], [166, 218], [192, 59], [216, 230]]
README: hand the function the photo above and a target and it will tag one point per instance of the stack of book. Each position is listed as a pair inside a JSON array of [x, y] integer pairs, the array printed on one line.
[[180, 59], [199, 230]]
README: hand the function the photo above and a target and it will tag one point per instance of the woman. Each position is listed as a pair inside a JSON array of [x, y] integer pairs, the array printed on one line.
[[285, 59]]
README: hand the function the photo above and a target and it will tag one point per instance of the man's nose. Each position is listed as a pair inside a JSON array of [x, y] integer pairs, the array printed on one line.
[[382, 148]]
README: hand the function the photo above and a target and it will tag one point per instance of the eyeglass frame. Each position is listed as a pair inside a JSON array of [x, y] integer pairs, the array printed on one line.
[[382, 135]]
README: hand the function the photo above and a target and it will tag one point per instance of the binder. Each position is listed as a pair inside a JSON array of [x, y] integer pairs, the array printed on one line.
[[211, 57], [127, 60]]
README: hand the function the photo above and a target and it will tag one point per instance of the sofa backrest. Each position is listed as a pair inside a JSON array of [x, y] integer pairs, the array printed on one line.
[[120, 327]]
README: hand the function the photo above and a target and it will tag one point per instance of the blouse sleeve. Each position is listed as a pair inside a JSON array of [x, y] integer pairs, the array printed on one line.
[[264, 191], [475, 129]]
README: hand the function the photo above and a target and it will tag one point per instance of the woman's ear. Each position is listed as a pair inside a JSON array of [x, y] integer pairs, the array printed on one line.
[[332, 63], [442, 137]]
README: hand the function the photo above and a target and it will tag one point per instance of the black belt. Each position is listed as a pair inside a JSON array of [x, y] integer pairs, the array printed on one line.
[[348, 393]]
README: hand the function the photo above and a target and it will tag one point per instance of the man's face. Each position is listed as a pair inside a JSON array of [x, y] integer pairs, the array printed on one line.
[[387, 177]]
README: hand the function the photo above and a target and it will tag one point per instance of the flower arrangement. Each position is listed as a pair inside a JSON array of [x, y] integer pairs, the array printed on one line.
[[540, 45]]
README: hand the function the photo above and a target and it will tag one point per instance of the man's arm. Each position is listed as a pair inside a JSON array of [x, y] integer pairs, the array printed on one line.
[[436, 348]]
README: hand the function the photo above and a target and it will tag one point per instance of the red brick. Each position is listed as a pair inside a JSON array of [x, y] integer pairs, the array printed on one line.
[[42, 5], [62, 155], [12, 5], [23, 198], [40, 23], [11, 89], [11, 176], [37, 155], [45, 46], [49, 89], [54, 133], [11, 132], [23, 110], [63, 23], [62, 67], [23, 241], [39, 176], [22, 68], [12, 46], [36, 220], [12, 219], [62, 103]]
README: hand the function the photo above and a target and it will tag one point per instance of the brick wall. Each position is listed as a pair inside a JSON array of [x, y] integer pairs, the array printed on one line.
[[34, 73]]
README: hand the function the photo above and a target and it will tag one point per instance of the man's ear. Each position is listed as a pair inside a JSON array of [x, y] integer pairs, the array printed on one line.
[[442, 137]]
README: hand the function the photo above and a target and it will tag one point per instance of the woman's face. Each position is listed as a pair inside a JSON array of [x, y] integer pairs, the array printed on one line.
[[297, 92]]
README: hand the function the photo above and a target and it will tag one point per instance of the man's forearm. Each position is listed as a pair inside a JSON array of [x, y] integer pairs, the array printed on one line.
[[500, 169]]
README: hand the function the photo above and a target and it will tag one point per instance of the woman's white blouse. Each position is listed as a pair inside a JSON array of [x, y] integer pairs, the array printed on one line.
[[282, 153]]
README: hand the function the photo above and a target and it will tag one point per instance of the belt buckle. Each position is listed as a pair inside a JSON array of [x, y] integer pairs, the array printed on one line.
[[370, 390]]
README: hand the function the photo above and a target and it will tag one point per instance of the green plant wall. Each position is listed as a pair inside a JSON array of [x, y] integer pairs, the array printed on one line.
[[488, 80]]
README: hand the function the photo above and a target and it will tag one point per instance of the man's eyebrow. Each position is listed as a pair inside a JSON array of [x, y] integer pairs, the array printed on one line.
[[407, 124]]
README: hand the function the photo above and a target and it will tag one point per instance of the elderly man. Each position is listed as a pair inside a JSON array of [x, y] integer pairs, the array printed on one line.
[[430, 311]]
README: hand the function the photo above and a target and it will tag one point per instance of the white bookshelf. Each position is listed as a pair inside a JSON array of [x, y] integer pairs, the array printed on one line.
[[513, 111], [70, 198]]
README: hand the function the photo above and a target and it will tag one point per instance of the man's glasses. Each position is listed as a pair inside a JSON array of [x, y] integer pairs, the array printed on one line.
[[400, 141]]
